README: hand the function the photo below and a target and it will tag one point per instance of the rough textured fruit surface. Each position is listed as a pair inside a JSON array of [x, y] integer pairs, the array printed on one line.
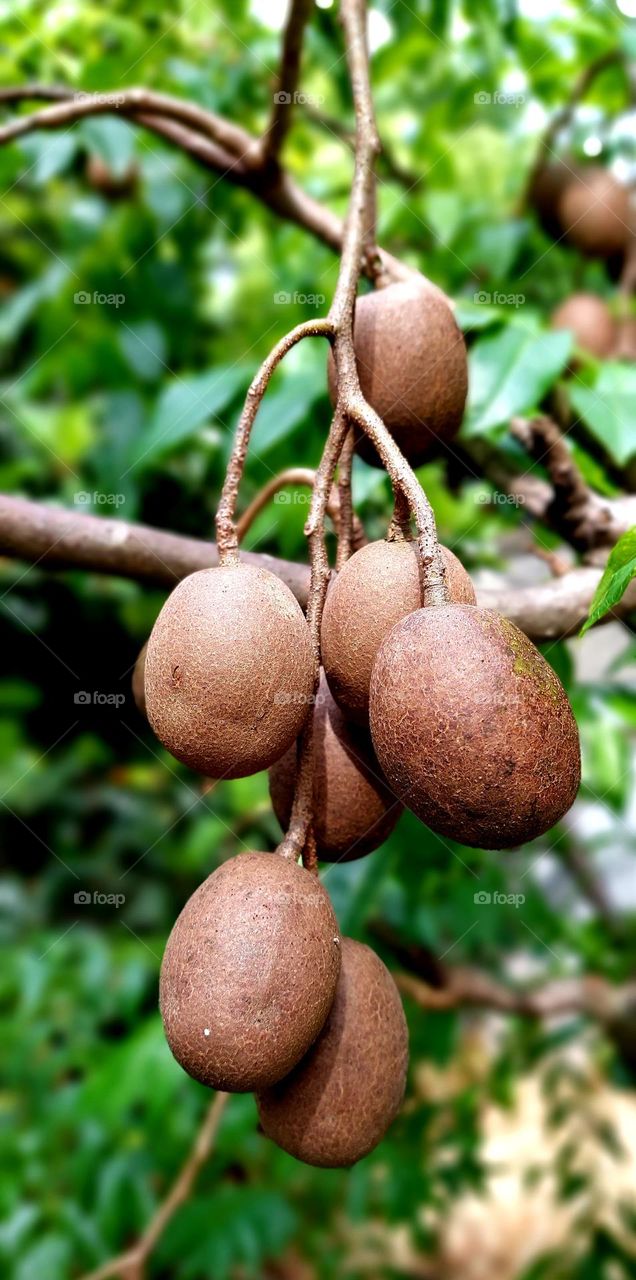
[[377, 587], [354, 810], [339, 1102], [590, 321], [249, 972], [472, 727], [412, 365], [229, 671], [139, 682], [594, 213]]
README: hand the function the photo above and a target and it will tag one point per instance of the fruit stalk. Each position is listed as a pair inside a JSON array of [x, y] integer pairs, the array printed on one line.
[[226, 526]]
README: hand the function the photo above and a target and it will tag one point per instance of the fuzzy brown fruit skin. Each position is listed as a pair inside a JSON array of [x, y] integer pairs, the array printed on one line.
[[412, 366], [473, 728], [139, 681], [590, 321], [354, 810], [338, 1103], [249, 972], [377, 587], [229, 671], [594, 212]]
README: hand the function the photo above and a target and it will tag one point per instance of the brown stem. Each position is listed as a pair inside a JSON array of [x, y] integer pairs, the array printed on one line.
[[399, 529], [131, 1264], [287, 79], [226, 527], [347, 533], [239, 160], [297, 476], [299, 836], [351, 400], [591, 995], [387, 163], [76, 106], [52, 538]]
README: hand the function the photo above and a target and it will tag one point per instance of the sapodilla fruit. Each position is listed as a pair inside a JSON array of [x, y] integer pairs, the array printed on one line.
[[594, 212], [354, 811], [139, 681], [249, 972], [338, 1103], [377, 587], [412, 366], [472, 727], [590, 321], [546, 191], [229, 671]]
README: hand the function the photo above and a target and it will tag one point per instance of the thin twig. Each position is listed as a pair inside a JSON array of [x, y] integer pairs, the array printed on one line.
[[226, 525], [293, 476], [348, 540], [239, 160], [287, 79], [131, 1264]]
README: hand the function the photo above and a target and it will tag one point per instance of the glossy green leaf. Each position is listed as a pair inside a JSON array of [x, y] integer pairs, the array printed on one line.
[[617, 575], [509, 373], [607, 409]]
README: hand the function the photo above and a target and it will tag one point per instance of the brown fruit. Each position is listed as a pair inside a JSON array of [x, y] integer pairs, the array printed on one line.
[[594, 212], [229, 671], [590, 321], [354, 811], [412, 365], [138, 681], [472, 727], [249, 972], [338, 1103], [546, 191], [377, 587]]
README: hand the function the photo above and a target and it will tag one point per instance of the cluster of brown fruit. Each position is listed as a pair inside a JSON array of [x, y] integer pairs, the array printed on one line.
[[586, 205], [449, 710], [592, 210]]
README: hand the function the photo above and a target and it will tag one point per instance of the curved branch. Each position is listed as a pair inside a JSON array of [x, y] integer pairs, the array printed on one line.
[[287, 79], [336, 510], [226, 525], [51, 537], [589, 995], [130, 1265], [72, 106], [223, 147], [54, 538]]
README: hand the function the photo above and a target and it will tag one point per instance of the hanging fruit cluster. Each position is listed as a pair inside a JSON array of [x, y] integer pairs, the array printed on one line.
[[424, 700]]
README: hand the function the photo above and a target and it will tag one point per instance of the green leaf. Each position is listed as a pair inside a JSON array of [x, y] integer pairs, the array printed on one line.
[[17, 312], [607, 408], [618, 573], [285, 408], [112, 139], [510, 373], [183, 407]]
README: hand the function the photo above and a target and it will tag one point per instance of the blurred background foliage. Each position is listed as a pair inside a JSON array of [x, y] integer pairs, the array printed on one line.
[[127, 408]]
